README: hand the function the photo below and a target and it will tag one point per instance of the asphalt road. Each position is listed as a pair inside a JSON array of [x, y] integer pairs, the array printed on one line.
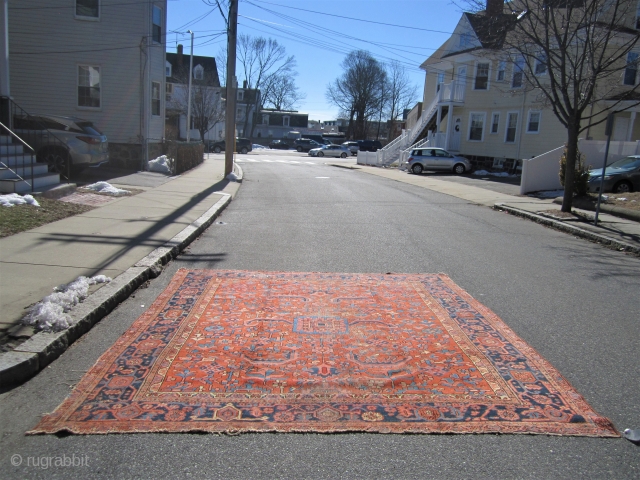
[[576, 303]]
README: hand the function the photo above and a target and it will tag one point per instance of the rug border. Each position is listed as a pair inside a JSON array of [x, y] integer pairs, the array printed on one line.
[[599, 426]]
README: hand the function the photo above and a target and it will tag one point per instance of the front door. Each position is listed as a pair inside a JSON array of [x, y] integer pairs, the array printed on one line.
[[456, 135]]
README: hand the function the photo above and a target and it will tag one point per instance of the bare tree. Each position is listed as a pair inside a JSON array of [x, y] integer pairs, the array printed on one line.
[[207, 108], [575, 56], [401, 93], [280, 92], [359, 91], [259, 59]]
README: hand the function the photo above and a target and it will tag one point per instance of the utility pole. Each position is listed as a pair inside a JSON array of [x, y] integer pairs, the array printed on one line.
[[189, 91], [230, 114]]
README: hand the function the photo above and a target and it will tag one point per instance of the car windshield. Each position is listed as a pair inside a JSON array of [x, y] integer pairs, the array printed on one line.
[[628, 163]]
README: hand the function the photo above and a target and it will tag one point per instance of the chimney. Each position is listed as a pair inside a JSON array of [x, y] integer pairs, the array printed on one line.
[[179, 61], [244, 84], [494, 8]]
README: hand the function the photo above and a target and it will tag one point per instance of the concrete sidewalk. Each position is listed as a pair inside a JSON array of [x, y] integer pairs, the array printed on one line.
[[612, 231], [148, 227]]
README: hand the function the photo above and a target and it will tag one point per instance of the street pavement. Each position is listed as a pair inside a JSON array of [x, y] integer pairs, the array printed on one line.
[[572, 300]]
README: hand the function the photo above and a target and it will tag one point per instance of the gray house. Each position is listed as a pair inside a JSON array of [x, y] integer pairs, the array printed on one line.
[[101, 60]]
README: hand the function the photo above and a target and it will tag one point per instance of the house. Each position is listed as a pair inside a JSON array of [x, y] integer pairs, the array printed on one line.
[[272, 123], [207, 96], [101, 60], [476, 104], [247, 104]]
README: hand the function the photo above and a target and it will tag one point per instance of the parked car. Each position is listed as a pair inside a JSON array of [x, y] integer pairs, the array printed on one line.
[[243, 145], [422, 159], [352, 146], [621, 176], [319, 139], [305, 144], [279, 145], [63, 142], [369, 145], [330, 151]]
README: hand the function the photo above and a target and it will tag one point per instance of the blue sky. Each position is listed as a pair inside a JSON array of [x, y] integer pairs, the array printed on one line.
[[316, 33]]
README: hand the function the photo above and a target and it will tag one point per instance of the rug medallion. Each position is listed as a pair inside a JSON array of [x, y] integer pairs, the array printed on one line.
[[239, 351]]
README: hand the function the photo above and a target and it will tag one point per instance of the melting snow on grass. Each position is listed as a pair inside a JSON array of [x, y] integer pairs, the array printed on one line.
[[12, 199], [162, 164], [104, 187], [50, 313]]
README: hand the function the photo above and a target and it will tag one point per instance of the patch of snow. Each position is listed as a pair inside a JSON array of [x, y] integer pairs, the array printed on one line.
[[162, 164], [548, 194], [105, 187], [623, 199], [50, 313], [12, 199], [255, 146], [233, 177], [493, 174]]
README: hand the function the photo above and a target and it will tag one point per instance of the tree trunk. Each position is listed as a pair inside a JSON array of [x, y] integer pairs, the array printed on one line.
[[570, 167]]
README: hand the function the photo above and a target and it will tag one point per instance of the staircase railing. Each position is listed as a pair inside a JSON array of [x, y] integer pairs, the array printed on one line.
[[34, 133], [8, 130]]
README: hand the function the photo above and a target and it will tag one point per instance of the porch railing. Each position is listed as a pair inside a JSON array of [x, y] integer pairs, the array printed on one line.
[[14, 137]]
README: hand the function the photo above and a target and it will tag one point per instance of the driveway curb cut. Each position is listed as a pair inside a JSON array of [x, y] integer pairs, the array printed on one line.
[[573, 230], [36, 353]]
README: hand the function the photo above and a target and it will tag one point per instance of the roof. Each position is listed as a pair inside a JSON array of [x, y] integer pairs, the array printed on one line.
[[490, 30], [208, 63]]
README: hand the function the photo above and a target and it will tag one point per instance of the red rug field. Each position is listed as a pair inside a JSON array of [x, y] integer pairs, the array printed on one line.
[[239, 351]]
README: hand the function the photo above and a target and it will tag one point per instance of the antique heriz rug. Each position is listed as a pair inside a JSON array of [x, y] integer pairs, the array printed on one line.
[[239, 351]]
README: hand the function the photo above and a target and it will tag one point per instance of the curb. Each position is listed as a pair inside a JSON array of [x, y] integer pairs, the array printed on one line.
[[571, 229], [36, 353], [621, 212]]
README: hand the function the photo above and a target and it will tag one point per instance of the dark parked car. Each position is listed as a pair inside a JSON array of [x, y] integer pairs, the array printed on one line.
[[243, 145], [621, 176], [279, 145], [60, 141], [369, 145], [305, 144]]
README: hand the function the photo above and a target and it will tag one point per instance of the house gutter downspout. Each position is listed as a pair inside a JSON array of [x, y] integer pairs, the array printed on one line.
[[524, 99], [5, 90]]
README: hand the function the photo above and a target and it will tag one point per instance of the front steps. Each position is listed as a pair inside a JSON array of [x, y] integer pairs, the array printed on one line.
[[18, 170]]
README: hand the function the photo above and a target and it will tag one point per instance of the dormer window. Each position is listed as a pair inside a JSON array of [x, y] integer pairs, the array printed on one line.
[[198, 72], [465, 40], [167, 68], [240, 95], [285, 121], [265, 119]]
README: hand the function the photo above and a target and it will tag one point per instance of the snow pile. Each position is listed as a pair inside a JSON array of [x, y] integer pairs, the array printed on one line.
[[623, 199], [50, 313], [162, 164], [12, 199], [104, 187], [232, 176], [256, 146], [493, 174]]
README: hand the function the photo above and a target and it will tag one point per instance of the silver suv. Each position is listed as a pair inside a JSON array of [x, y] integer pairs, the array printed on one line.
[[426, 158], [352, 146], [64, 143]]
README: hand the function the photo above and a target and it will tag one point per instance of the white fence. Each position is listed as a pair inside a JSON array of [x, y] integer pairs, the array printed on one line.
[[541, 172], [367, 158], [594, 151]]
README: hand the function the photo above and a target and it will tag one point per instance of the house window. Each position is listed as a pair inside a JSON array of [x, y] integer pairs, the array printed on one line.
[[285, 121], [518, 73], [240, 95], [512, 126], [88, 8], [533, 124], [502, 71], [88, 86], [156, 32], [476, 126], [155, 98], [541, 64], [167, 69], [198, 72], [482, 76], [495, 121], [440, 81], [631, 72], [465, 40], [169, 91], [265, 119]]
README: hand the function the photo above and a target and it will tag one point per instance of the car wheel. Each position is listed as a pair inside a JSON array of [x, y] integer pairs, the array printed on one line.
[[217, 149], [622, 187], [244, 150], [57, 159], [299, 149], [459, 169], [343, 155], [320, 154], [417, 169]]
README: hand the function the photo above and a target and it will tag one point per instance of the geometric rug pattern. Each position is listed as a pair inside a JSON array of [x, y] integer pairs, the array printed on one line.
[[241, 351]]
